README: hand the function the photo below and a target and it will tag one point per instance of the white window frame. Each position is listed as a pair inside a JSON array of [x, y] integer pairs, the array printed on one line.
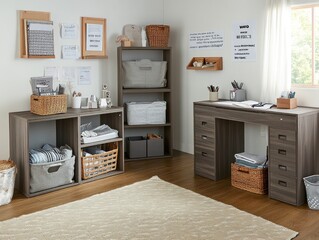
[[312, 85]]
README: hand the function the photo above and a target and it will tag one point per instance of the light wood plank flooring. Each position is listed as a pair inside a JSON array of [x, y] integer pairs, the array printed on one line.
[[177, 170]]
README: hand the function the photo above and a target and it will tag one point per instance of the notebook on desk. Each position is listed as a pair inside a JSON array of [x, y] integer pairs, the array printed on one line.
[[248, 104]]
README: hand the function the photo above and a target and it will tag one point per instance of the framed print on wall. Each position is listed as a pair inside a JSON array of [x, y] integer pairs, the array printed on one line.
[[93, 38]]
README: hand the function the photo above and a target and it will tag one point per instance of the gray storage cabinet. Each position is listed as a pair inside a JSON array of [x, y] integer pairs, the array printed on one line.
[[147, 92], [28, 130]]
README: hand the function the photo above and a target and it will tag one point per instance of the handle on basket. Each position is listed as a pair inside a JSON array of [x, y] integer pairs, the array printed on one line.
[[243, 170], [54, 167]]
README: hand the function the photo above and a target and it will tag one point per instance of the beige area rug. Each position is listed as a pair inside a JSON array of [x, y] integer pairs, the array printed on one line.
[[150, 209]]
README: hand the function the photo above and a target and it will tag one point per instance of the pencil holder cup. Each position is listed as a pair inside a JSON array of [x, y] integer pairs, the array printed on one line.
[[237, 95], [213, 96], [76, 102]]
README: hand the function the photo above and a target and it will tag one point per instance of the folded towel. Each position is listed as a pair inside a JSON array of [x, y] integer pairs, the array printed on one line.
[[250, 165], [251, 158]]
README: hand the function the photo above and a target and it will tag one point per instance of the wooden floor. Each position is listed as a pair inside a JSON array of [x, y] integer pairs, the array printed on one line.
[[179, 171]]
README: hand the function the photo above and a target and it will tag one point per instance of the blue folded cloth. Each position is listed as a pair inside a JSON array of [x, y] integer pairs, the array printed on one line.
[[250, 165], [49, 153]]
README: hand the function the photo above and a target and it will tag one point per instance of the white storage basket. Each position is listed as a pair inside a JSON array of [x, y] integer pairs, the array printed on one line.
[[8, 172], [144, 74], [139, 113]]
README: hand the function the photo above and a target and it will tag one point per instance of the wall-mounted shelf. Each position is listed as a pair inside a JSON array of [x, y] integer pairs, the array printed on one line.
[[43, 17], [206, 63]]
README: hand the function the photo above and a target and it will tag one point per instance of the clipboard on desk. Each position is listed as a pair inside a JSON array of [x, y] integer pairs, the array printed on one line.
[[39, 38]]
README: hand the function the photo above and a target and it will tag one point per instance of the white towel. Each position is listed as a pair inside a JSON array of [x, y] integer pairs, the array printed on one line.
[[251, 158]]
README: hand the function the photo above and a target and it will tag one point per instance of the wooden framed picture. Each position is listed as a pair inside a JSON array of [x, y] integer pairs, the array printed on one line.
[[93, 38]]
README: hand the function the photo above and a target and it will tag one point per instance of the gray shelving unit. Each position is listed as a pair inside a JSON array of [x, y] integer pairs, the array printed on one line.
[[28, 130], [147, 94]]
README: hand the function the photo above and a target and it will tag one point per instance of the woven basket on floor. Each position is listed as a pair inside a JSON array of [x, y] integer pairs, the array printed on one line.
[[102, 163], [8, 172], [47, 105], [250, 179], [157, 35]]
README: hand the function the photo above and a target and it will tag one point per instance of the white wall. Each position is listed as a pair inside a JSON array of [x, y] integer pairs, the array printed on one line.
[[189, 16], [15, 72], [184, 17]]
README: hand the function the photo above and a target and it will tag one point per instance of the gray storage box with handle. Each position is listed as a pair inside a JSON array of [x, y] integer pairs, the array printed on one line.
[[52, 174], [312, 189], [144, 74]]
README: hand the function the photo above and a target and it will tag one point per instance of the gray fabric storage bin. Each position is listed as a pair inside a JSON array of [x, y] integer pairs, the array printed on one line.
[[144, 74], [48, 175], [136, 147], [155, 147]]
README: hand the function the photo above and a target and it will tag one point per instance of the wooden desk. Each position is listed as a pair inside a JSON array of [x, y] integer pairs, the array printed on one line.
[[293, 143]]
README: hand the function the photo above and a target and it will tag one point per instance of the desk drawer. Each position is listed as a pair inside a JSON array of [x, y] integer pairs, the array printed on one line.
[[282, 168], [282, 137], [205, 162], [204, 138], [279, 121], [283, 188], [204, 119], [285, 153]]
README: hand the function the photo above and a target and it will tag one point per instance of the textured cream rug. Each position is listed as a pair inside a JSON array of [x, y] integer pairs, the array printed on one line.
[[151, 209]]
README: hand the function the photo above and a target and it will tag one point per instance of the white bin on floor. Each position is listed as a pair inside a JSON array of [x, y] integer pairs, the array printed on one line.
[[312, 189], [8, 172]]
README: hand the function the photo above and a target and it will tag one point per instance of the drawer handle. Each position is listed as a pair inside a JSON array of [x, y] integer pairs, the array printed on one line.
[[282, 152], [282, 137], [204, 137], [204, 154], [282, 167], [282, 183], [204, 123]]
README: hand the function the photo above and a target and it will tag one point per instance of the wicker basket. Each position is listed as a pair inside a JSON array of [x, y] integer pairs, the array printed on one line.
[[8, 172], [98, 164], [251, 179], [47, 105], [157, 35]]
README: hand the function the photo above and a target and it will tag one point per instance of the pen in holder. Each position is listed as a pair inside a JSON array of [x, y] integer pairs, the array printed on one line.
[[213, 93]]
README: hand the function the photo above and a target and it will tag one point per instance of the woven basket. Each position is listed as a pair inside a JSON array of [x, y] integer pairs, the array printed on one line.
[[250, 179], [47, 105], [157, 35], [102, 163], [8, 172]]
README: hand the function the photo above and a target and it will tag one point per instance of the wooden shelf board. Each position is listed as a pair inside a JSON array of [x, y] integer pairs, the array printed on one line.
[[146, 90], [84, 145], [109, 174], [147, 125], [148, 158], [51, 189], [218, 63], [145, 48]]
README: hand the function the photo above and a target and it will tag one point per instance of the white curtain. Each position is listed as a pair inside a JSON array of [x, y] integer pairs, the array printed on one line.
[[277, 55]]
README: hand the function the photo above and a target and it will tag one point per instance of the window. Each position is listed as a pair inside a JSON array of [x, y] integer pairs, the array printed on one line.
[[305, 46]]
